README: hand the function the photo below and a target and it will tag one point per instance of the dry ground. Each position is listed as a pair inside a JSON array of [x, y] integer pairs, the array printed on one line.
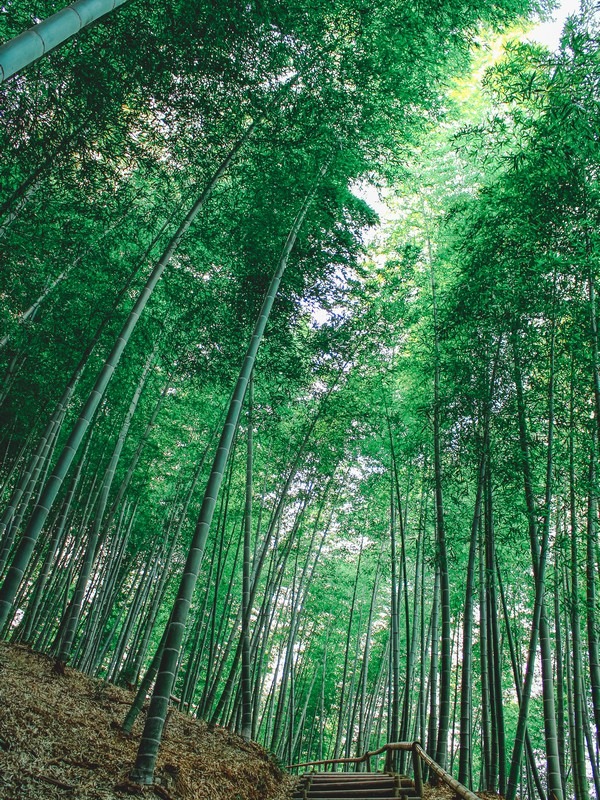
[[60, 740], [445, 793]]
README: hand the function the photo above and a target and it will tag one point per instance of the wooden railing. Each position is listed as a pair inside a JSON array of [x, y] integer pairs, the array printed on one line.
[[418, 755]]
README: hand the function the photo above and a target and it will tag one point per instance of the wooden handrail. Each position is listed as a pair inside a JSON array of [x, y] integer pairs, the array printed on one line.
[[418, 755], [358, 759]]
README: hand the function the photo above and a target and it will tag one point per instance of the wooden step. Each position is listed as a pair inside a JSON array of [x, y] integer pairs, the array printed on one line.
[[409, 794], [350, 777], [355, 786], [364, 783], [362, 792], [354, 791], [350, 795]]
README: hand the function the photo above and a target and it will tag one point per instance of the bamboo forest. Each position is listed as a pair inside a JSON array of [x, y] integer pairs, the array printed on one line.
[[300, 397]]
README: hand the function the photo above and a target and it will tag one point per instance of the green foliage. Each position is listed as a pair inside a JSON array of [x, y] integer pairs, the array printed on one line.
[[105, 144]]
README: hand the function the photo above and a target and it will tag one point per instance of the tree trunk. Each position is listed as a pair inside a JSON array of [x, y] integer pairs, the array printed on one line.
[[465, 765], [539, 559], [246, 678], [143, 771], [92, 543], [42, 509], [591, 612]]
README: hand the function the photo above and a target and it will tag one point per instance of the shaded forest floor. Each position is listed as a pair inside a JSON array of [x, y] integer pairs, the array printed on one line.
[[60, 738], [446, 793]]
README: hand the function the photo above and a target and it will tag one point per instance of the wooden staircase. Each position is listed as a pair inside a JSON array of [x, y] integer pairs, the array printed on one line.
[[355, 786], [374, 785]]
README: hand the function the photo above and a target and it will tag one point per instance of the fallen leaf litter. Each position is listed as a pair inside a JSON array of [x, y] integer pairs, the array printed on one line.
[[60, 739]]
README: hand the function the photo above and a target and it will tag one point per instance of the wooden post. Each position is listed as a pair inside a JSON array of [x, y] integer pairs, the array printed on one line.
[[417, 774]]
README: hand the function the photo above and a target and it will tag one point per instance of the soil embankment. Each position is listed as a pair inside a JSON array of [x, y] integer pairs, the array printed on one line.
[[60, 738]]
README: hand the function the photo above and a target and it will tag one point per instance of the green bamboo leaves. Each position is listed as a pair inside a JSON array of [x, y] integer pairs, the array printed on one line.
[[21, 558]]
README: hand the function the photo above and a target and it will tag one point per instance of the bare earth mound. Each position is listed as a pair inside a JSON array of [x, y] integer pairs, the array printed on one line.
[[60, 738]]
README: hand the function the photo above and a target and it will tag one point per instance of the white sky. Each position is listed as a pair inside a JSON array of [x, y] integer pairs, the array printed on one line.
[[548, 33]]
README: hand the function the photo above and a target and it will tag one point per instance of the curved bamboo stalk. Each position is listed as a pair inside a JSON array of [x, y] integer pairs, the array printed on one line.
[[32, 44]]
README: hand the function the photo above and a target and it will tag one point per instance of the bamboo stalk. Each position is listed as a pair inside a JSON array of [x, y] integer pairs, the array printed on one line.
[[32, 44]]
